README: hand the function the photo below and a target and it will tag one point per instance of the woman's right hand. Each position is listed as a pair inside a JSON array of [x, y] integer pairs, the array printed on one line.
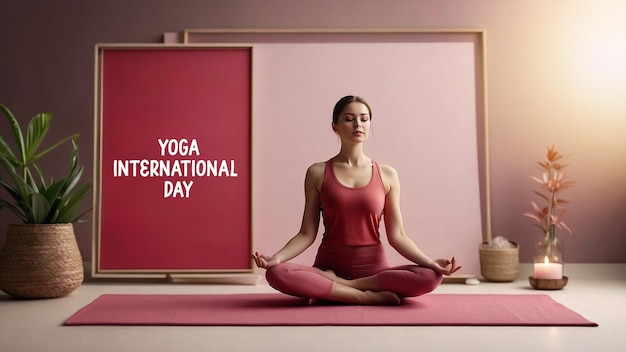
[[446, 267], [265, 262]]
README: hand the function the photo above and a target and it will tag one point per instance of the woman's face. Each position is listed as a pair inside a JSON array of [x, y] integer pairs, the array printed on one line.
[[353, 123]]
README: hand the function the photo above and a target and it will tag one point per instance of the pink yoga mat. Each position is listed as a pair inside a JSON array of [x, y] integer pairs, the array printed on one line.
[[279, 310]]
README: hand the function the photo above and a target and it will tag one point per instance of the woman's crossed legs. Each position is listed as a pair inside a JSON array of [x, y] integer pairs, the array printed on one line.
[[387, 286]]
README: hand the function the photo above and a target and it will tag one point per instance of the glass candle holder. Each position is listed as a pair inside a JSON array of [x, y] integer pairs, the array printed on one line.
[[548, 259]]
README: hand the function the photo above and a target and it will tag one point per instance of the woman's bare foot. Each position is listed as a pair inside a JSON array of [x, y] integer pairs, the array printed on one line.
[[348, 291], [374, 298], [329, 274], [364, 284], [381, 298], [319, 302]]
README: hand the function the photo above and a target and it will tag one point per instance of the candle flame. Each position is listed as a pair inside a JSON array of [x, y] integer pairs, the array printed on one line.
[[545, 260]]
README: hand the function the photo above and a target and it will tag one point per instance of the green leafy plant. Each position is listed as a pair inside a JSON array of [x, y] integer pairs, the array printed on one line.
[[32, 198]]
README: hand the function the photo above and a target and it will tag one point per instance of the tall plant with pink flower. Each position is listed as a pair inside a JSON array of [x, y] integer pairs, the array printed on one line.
[[552, 181]]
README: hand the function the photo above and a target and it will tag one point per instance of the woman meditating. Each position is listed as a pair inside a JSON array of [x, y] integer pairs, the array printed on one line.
[[353, 193]]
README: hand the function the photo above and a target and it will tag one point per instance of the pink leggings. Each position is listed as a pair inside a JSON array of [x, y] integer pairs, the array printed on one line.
[[351, 263]]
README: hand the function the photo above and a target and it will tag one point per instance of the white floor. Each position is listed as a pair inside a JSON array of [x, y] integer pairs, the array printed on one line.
[[596, 291]]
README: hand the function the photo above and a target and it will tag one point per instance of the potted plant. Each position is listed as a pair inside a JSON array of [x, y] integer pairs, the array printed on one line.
[[548, 256], [40, 257]]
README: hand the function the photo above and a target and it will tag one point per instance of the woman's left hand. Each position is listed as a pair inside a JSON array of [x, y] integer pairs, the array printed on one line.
[[441, 266]]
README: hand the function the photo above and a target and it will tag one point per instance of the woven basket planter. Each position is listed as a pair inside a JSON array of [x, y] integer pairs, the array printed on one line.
[[40, 261], [499, 264]]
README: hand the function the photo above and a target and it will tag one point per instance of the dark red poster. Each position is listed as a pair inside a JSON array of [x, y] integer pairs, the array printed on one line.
[[174, 183]]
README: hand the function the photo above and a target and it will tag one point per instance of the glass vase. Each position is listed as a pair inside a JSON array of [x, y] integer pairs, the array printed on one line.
[[548, 259]]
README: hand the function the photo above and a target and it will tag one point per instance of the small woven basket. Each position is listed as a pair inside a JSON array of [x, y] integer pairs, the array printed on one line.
[[40, 261], [499, 264]]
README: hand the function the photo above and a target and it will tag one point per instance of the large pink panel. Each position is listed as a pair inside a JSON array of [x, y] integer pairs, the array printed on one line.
[[423, 97]]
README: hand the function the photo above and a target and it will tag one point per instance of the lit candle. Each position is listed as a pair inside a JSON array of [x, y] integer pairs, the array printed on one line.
[[547, 270]]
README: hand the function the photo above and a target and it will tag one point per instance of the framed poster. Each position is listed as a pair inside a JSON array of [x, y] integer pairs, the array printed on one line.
[[428, 96], [172, 160]]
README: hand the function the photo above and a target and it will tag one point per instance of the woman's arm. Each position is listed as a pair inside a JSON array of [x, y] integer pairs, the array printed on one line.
[[310, 221], [394, 226]]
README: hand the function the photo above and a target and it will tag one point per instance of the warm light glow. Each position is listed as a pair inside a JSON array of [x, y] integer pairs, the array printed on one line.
[[606, 59], [596, 58], [546, 261]]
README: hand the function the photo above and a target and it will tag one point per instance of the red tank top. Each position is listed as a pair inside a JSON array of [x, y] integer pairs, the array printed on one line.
[[352, 215]]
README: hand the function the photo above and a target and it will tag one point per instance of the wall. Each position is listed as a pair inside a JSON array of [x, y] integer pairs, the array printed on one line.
[[555, 75]]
